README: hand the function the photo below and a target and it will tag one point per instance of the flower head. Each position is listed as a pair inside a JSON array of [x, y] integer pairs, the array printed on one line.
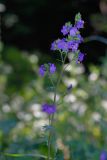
[[66, 28], [49, 108], [71, 41], [79, 24], [42, 70], [60, 44], [80, 57], [75, 47], [54, 46], [103, 155], [73, 31], [50, 68]]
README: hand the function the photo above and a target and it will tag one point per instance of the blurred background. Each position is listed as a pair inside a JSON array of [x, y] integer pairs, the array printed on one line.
[[27, 29]]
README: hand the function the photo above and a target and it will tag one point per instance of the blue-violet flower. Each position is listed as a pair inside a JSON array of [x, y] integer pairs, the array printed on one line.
[[73, 31], [80, 57], [103, 155], [42, 70], [80, 24], [51, 68], [49, 108], [66, 28], [73, 38]]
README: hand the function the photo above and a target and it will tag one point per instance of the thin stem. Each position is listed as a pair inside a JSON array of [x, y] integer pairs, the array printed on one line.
[[59, 79], [51, 81], [49, 137], [49, 140], [54, 102], [61, 56]]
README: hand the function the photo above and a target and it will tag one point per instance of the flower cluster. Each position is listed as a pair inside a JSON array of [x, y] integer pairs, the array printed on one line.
[[73, 38], [50, 68], [49, 108], [70, 43]]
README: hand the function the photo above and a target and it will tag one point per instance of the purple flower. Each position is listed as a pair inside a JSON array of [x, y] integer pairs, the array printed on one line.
[[79, 38], [62, 45], [53, 46], [71, 42], [73, 31], [42, 70], [75, 47], [66, 29], [103, 156], [72, 45], [49, 108], [80, 57], [52, 68], [80, 24]]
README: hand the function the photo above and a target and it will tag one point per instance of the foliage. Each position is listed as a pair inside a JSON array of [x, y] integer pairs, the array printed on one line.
[[81, 116], [99, 22]]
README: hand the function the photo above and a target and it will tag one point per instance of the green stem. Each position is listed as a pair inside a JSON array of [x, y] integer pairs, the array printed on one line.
[[51, 118], [49, 140], [58, 82], [51, 81]]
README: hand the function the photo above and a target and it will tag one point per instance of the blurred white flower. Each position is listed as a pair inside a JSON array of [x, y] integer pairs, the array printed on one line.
[[33, 59], [24, 116], [10, 20], [51, 96], [39, 124], [93, 76], [36, 111], [75, 69], [2, 7], [96, 116], [82, 93], [6, 108], [70, 81], [104, 104], [70, 98], [78, 107]]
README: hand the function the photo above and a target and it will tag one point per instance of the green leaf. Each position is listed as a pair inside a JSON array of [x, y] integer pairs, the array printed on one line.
[[68, 24], [24, 155], [77, 17]]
